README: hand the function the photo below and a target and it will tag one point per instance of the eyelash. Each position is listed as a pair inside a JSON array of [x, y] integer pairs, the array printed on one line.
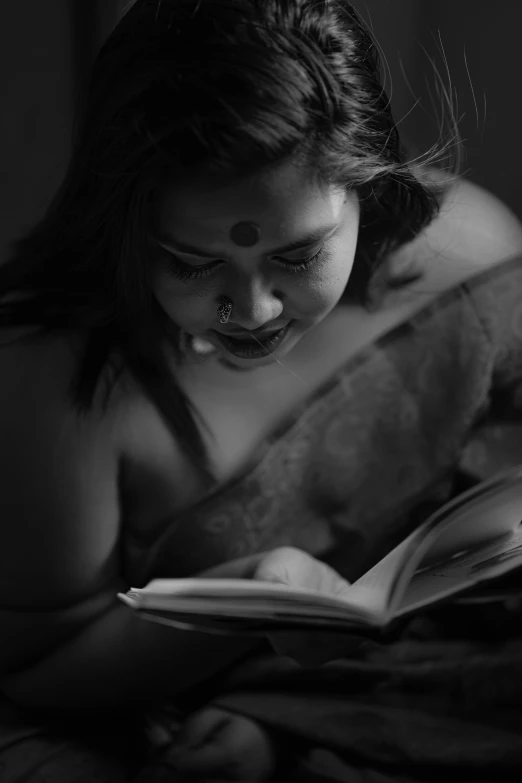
[[186, 272]]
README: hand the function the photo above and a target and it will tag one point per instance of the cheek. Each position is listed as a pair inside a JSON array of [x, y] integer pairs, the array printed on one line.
[[341, 262], [340, 271], [186, 306], [327, 285]]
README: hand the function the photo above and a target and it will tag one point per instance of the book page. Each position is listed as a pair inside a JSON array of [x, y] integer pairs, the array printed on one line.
[[452, 550], [482, 516], [487, 511], [372, 590], [462, 570], [486, 516], [234, 599], [365, 601]]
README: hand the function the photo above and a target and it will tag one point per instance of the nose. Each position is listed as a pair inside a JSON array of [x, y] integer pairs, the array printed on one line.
[[255, 303]]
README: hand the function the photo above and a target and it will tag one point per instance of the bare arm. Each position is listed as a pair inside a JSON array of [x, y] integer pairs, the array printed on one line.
[[66, 640], [119, 659]]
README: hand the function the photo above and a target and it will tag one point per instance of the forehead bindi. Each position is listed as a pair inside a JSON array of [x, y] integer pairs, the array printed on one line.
[[211, 217]]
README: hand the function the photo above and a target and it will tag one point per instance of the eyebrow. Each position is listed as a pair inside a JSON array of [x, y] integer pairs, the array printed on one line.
[[309, 239]]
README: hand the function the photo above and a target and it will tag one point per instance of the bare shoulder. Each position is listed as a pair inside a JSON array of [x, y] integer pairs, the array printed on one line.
[[475, 223], [58, 480], [473, 230]]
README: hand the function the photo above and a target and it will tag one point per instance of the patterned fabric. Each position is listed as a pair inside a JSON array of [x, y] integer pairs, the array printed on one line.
[[343, 478]]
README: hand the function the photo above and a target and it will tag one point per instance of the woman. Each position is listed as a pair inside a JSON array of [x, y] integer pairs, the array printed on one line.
[[184, 381]]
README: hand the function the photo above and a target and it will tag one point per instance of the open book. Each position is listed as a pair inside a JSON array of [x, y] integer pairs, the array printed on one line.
[[475, 538]]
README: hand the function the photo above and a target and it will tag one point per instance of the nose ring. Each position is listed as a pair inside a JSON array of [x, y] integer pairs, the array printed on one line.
[[224, 310]]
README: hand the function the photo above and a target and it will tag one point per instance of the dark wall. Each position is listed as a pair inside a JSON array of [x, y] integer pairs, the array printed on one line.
[[490, 33], [37, 90], [475, 46]]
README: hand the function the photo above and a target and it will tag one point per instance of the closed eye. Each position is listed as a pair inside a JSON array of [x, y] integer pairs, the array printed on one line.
[[184, 271], [302, 264]]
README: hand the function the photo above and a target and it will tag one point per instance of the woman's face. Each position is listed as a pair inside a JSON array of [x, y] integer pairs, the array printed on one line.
[[280, 287]]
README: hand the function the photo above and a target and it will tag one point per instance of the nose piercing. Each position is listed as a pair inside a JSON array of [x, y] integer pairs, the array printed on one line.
[[224, 310], [245, 234]]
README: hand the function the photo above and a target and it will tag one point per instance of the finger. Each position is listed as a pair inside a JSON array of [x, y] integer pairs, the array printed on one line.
[[202, 726], [295, 568], [200, 745], [235, 745], [290, 566], [280, 565], [331, 582], [242, 568], [212, 758]]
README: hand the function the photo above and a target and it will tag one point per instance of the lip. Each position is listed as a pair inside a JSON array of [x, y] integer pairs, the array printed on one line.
[[247, 336], [250, 349]]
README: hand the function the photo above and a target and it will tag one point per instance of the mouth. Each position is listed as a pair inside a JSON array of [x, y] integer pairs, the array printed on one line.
[[246, 347]]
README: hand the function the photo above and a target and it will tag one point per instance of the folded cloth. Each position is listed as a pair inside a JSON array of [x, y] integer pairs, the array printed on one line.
[[440, 698]]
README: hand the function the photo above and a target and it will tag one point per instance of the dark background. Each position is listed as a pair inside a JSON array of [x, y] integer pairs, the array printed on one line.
[[47, 47]]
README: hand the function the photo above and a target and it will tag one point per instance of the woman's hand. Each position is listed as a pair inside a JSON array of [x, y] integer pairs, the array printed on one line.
[[295, 568], [220, 744], [285, 565]]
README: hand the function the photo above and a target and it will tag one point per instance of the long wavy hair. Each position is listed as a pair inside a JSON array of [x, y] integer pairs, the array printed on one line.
[[234, 86]]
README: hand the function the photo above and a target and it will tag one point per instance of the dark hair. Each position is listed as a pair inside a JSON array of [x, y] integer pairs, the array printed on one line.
[[232, 85]]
